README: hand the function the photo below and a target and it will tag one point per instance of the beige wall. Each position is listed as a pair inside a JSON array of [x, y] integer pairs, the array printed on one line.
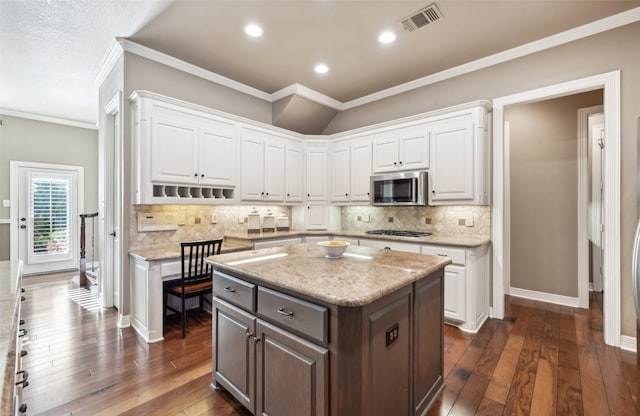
[[37, 141], [544, 193], [612, 50]]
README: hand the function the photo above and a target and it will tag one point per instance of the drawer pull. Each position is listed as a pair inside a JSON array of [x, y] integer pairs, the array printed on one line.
[[23, 353], [442, 255], [22, 332], [229, 289], [282, 311], [25, 377]]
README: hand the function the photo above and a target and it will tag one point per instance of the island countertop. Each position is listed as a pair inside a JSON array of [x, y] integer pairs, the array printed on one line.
[[361, 276]]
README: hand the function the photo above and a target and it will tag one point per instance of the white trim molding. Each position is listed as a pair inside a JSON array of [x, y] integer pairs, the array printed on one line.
[[628, 343], [589, 29], [544, 297], [48, 119], [108, 62], [610, 82], [124, 321]]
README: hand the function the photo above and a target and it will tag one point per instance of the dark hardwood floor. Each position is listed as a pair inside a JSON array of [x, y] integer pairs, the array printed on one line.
[[542, 359]]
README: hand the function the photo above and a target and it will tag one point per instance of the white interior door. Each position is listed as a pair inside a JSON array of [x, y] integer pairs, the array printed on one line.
[[49, 199]]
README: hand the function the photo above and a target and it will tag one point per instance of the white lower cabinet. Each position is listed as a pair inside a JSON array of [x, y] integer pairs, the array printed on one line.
[[390, 245], [466, 285]]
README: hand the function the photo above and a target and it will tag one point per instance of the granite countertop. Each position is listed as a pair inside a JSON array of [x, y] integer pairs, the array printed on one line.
[[358, 278], [442, 239], [173, 251], [10, 275]]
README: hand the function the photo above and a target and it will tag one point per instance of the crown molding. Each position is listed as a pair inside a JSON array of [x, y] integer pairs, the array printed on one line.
[[589, 29], [48, 119], [599, 26], [308, 93], [108, 62], [183, 66]]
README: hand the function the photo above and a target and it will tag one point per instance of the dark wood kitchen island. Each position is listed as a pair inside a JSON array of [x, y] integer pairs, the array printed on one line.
[[295, 333]]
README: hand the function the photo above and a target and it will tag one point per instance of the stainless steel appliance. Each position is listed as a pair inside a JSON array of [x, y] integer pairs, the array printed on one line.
[[400, 233], [397, 189]]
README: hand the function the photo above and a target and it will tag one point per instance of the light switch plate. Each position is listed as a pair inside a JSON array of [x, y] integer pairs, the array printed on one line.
[[214, 218], [6, 203]]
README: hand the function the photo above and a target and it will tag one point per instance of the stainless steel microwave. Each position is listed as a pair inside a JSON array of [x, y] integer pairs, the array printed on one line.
[[397, 189]]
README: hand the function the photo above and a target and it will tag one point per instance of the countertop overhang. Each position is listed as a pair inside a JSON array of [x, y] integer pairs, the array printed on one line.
[[361, 276]]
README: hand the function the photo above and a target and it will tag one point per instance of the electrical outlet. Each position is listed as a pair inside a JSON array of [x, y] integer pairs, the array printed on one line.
[[214, 218], [427, 221], [367, 218], [389, 219], [460, 221], [469, 221], [241, 219], [6, 203], [358, 218], [198, 220]]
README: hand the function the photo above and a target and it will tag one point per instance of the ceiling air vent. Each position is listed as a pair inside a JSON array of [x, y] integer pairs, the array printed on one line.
[[422, 18]]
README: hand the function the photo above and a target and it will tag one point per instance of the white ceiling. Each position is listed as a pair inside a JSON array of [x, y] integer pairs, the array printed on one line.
[[51, 50]]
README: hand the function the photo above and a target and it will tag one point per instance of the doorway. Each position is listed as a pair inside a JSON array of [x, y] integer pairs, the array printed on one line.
[[500, 232], [44, 221]]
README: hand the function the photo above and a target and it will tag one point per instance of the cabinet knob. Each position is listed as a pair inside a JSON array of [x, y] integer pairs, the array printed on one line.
[[23, 353], [288, 195], [346, 195], [195, 175], [387, 248], [256, 340], [23, 408], [202, 175], [22, 332], [395, 164], [249, 334], [267, 193], [261, 193], [400, 162], [433, 191], [308, 195], [368, 193]]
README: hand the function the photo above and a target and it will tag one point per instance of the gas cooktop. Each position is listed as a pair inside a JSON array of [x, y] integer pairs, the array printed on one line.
[[400, 233]]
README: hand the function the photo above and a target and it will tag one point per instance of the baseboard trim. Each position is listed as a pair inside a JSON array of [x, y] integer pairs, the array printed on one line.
[[124, 321], [544, 297], [628, 343]]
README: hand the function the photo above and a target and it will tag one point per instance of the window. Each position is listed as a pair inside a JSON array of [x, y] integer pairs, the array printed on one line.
[[50, 209]]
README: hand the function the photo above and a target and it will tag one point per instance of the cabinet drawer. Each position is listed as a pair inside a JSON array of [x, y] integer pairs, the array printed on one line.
[[457, 255], [293, 313], [236, 291]]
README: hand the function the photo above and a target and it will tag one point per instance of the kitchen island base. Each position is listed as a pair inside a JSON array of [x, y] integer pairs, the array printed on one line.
[[316, 358]]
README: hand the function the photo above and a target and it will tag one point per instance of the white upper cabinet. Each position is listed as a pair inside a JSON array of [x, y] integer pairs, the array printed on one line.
[[405, 148], [452, 166], [459, 171], [192, 150], [351, 171], [316, 171], [263, 166], [294, 184]]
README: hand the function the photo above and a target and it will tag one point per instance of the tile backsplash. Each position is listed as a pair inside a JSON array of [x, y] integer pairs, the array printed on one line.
[[443, 219], [198, 226]]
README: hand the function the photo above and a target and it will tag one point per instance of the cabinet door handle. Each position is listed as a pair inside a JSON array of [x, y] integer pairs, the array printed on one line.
[[23, 353], [22, 332], [25, 377], [284, 312], [387, 248], [229, 289], [249, 334], [442, 255], [256, 340]]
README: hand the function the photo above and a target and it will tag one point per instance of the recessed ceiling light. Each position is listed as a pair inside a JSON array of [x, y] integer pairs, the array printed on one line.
[[321, 69], [253, 30], [386, 37]]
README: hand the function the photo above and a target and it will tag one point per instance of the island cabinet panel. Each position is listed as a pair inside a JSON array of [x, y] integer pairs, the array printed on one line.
[[428, 343], [234, 354], [292, 374], [388, 332]]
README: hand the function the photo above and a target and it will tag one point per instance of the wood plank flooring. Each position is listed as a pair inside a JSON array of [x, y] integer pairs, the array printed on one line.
[[542, 359]]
